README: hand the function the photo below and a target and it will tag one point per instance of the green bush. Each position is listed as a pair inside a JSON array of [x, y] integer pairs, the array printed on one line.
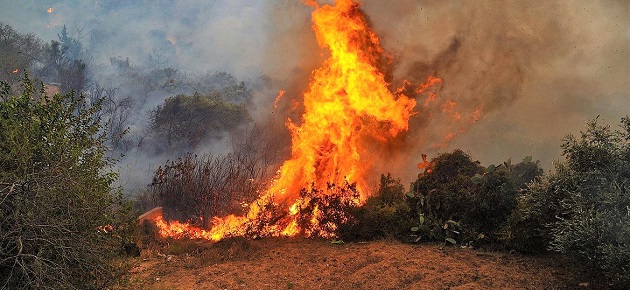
[[460, 201], [582, 208], [184, 122], [527, 229], [384, 215], [57, 206]]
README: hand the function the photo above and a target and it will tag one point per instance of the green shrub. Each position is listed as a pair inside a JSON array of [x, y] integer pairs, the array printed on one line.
[[582, 208], [57, 205], [593, 221], [458, 200], [527, 230], [384, 215]]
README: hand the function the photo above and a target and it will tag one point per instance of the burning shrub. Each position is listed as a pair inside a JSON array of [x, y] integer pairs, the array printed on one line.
[[384, 215], [325, 210], [199, 188], [459, 200], [57, 209], [583, 207]]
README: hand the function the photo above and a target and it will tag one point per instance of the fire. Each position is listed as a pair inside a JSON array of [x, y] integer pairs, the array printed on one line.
[[106, 229], [15, 71], [346, 105], [424, 164], [278, 97], [431, 95], [460, 122], [50, 10], [347, 101]]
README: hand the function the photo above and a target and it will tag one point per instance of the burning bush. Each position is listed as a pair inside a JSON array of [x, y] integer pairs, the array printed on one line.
[[346, 108], [325, 210], [583, 207], [384, 215], [200, 188]]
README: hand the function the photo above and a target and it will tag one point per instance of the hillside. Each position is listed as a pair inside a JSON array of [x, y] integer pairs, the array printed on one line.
[[318, 264]]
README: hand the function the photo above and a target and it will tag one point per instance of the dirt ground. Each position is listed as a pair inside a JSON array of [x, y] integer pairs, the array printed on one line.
[[319, 264]]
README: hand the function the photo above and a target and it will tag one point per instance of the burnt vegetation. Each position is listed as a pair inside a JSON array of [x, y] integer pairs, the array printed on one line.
[[197, 189], [64, 224]]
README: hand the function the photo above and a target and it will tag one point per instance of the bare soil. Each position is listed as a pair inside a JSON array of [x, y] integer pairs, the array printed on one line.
[[319, 264]]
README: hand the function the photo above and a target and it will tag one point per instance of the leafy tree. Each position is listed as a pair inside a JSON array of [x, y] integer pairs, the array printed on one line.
[[213, 81], [71, 70], [72, 47], [56, 62], [57, 204], [525, 172], [72, 76], [193, 119], [18, 52]]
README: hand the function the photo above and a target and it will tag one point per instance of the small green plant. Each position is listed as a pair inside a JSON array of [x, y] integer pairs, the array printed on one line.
[[448, 232]]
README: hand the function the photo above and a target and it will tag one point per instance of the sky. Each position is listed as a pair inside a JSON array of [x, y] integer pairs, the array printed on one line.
[[533, 71]]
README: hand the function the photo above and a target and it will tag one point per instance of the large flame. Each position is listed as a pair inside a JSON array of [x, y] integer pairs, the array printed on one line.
[[346, 105], [347, 101]]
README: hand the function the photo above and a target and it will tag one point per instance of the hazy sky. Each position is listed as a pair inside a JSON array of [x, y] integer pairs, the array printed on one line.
[[535, 70]]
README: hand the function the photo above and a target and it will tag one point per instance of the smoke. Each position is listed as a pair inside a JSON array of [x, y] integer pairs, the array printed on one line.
[[522, 74], [193, 35], [536, 71]]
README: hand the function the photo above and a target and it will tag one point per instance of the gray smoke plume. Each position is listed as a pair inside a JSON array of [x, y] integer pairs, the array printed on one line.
[[195, 38], [536, 71]]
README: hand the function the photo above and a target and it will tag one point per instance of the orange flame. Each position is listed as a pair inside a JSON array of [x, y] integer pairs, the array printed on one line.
[[278, 97], [50, 10], [346, 102], [462, 124], [346, 105], [432, 82], [15, 71], [424, 164]]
